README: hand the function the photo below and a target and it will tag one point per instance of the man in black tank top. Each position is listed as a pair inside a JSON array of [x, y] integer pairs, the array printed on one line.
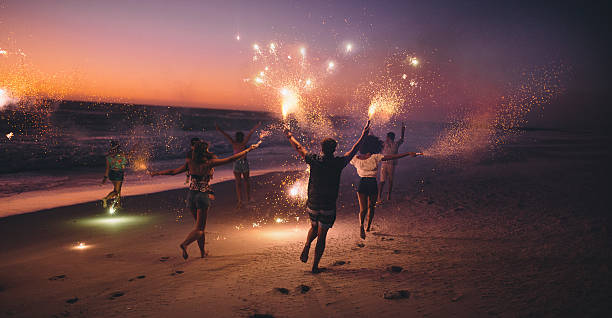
[[323, 186]]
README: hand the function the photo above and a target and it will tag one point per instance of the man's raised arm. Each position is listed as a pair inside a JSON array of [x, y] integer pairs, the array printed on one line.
[[296, 144]]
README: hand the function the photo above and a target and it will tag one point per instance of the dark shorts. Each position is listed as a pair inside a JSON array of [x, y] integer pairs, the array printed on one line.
[[198, 200], [324, 218], [368, 186], [241, 165], [115, 175]]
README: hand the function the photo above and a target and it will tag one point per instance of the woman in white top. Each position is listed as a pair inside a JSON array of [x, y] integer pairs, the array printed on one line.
[[367, 167]]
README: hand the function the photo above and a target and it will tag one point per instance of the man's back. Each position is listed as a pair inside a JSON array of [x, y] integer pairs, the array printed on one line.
[[324, 181]]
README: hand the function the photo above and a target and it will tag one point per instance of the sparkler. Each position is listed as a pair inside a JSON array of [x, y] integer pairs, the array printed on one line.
[[237, 37], [404, 76], [414, 62], [3, 52], [272, 48], [349, 47], [9, 135], [289, 102], [371, 111]]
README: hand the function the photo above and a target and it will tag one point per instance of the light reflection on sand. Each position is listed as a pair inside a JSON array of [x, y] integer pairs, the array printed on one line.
[[114, 221]]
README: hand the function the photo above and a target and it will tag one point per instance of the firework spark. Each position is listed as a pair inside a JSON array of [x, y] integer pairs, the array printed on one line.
[[9, 135]]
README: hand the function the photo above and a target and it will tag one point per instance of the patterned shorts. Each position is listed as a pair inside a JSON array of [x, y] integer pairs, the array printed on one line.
[[241, 165]]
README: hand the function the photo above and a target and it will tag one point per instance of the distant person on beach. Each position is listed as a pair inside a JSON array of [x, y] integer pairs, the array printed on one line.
[[200, 167], [116, 161], [367, 165], [323, 186], [241, 166], [192, 143], [387, 168]]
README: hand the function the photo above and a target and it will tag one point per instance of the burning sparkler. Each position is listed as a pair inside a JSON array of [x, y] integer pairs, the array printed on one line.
[[3, 52], [81, 246], [330, 66], [237, 37], [9, 135], [289, 102], [371, 111], [414, 61]]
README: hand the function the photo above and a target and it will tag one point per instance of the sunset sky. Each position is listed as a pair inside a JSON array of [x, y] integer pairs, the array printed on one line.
[[185, 53]]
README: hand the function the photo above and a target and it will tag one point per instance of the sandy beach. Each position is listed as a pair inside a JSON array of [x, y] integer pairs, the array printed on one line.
[[522, 235]]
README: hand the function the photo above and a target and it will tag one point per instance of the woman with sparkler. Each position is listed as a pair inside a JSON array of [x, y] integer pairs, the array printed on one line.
[[323, 186], [366, 164], [116, 161], [241, 166], [200, 167]]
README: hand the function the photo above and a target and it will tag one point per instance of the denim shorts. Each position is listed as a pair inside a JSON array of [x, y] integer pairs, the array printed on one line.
[[368, 186], [198, 200], [324, 218]]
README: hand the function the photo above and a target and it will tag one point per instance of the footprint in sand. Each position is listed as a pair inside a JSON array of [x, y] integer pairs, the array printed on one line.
[[395, 269], [399, 294], [110, 255], [72, 300], [303, 288], [177, 273], [396, 251], [261, 316], [282, 290], [58, 277], [360, 244], [340, 263], [116, 295], [137, 277], [164, 258]]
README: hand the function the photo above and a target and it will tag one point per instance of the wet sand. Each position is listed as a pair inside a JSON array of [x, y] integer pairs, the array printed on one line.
[[523, 236]]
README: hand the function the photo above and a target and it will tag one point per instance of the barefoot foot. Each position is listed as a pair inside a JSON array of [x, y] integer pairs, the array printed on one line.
[[317, 270], [185, 255], [362, 232], [203, 254]]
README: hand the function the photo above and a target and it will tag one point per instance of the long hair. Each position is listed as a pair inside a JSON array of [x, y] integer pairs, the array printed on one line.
[[114, 147], [239, 136], [200, 152], [371, 144]]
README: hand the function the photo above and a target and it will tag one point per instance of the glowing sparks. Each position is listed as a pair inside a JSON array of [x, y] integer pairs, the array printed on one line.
[[256, 224], [308, 83], [349, 47], [412, 83], [237, 37], [266, 68], [288, 57], [9, 135], [289, 102], [262, 73], [3, 52], [414, 61], [303, 51], [371, 111], [255, 47], [404, 76], [5, 98], [331, 66], [111, 209], [81, 246], [272, 48], [259, 80]]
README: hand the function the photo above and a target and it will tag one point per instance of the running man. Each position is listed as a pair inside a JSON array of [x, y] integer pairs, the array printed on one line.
[[387, 168], [241, 166], [323, 186]]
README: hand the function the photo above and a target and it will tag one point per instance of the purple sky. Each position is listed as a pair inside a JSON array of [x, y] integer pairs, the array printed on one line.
[[184, 52]]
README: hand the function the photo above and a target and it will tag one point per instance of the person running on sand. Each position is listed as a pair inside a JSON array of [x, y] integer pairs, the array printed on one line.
[[367, 165], [323, 186], [200, 167], [116, 161], [387, 168], [241, 166]]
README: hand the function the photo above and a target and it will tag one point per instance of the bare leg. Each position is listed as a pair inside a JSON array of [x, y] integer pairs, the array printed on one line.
[[363, 208], [319, 248], [238, 177], [247, 183], [118, 185], [194, 213], [312, 234], [371, 206], [197, 233], [381, 185], [390, 177]]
